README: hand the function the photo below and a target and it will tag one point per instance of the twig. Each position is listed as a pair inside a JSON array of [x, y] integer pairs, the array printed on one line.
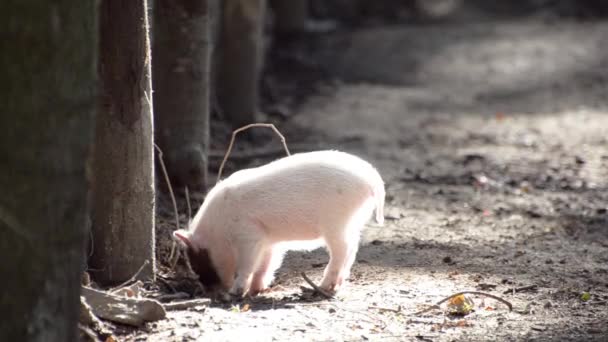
[[295, 305], [88, 332], [521, 289], [172, 255], [238, 130], [315, 287], [188, 204], [263, 152], [165, 282], [382, 309], [12, 223], [167, 297], [186, 304], [132, 279], [436, 306], [432, 307]]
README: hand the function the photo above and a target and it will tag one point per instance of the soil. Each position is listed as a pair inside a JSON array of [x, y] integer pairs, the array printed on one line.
[[491, 132]]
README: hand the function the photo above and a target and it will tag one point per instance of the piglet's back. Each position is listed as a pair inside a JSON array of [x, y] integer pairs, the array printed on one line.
[[297, 197]]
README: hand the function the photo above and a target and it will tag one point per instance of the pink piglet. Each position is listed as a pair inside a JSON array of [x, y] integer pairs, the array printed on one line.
[[238, 237]]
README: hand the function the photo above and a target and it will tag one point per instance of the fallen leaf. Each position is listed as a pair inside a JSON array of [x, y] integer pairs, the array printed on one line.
[[461, 324], [460, 305]]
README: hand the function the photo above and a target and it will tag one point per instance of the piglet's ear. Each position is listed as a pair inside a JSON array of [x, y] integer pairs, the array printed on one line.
[[183, 237]]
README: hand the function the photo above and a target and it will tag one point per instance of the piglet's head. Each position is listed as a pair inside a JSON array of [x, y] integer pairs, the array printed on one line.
[[199, 260]]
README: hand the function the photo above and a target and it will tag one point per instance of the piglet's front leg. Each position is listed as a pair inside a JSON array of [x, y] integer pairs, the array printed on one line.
[[250, 254], [241, 285]]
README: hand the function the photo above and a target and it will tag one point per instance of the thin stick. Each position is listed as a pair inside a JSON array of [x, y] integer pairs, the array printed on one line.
[[11, 222], [162, 165], [172, 296], [507, 303], [269, 151], [383, 309], [315, 287], [432, 307], [295, 305], [520, 289], [182, 305], [188, 204], [132, 279], [88, 332], [238, 130], [171, 260]]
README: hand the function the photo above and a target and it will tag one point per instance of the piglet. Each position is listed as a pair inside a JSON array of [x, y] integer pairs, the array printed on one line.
[[238, 237]]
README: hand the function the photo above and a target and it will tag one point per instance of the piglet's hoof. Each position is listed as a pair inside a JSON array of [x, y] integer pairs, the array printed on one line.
[[227, 298], [237, 293], [255, 292]]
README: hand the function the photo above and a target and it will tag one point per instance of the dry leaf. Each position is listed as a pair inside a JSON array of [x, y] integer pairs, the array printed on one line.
[[460, 305], [461, 324]]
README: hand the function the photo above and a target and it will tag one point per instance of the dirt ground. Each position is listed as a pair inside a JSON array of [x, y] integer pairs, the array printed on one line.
[[491, 133]]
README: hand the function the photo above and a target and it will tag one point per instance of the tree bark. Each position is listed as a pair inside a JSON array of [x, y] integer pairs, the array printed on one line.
[[240, 59], [47, 68], [182, 53], [123, 178]]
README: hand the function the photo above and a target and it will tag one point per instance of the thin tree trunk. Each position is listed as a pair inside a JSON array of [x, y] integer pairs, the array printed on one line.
[[123, 178], [240, 57], [47, 68], [182, 53]]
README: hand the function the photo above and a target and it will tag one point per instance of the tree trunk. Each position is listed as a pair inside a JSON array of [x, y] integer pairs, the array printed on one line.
[[123, 178], [240, 59], [47, 68], [182, 52], [290, 16]]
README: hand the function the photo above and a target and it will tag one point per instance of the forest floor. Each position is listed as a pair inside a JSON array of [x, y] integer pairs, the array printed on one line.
[[492, 136]]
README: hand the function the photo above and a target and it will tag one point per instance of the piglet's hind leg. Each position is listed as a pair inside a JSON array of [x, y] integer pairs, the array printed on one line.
[[338, 254]]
